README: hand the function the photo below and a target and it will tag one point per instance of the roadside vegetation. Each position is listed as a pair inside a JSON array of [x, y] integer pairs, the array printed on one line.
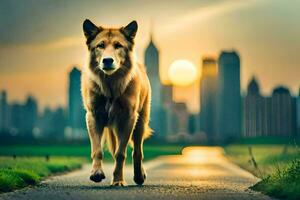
[[277, 165], [151, 151], [18, 172], [283, 183]]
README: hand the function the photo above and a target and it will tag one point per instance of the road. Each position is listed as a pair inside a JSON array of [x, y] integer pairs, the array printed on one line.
[[199, 173]]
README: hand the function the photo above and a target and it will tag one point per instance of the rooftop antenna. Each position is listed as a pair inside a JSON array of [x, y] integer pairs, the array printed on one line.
[[151, 30]]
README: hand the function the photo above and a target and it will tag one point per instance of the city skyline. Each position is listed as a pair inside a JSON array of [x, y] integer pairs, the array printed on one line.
[[274, 115], [46, 51]]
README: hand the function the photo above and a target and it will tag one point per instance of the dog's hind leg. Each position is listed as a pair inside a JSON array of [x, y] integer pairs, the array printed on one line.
[[95, 130], [138, 156], [140, 133]]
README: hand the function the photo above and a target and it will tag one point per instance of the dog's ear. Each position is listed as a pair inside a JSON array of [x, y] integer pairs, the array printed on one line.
[[90, 30], [130, 30]]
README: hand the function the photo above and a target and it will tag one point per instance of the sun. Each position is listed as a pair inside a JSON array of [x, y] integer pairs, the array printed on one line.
[[182, 73]]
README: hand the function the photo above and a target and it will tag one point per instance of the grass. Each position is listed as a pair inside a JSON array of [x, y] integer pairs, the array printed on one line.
[[277, 165], [23, 171], [284, 183], [150, 151]]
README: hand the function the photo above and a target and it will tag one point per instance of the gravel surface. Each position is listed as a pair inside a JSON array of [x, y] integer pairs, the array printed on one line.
[[200, 173]]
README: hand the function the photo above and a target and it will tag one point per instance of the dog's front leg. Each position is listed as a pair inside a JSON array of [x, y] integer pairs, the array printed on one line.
[[124, 128], [95, 130]]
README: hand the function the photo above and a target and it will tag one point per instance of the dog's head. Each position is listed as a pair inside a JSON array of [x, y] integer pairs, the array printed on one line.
[[109, 47]]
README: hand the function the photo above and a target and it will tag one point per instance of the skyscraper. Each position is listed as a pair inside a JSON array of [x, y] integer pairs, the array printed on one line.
[[157, 112], [256, 115], [283, 112], [192, 123], [298, 113], [3, 112], [180, 118], [31, 114], [52, 123], [76, 113], [208, 98], [167, 104], [229, 97], [17, 119]]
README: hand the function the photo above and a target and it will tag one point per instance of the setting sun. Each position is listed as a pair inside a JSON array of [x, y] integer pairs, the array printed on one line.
[[182, 72]]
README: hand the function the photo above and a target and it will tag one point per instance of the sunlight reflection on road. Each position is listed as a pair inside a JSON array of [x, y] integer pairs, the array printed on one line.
[[198, 163], [202, 154]]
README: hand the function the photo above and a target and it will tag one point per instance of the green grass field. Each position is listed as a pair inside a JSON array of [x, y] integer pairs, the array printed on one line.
[[150, 151], [277, 165], [19, 172]]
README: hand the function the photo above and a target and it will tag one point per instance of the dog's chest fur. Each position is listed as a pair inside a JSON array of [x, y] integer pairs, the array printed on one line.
[[105, 105]]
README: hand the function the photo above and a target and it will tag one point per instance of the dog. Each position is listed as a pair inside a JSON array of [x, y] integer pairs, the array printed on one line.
[[116, 95]]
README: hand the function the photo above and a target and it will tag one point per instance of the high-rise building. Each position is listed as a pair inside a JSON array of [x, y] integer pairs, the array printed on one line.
[[180, 118], [76, 113], [167, 102], [192, 123], [157, 111], [152, 65], [298, 114], [3, 112], [31, 114], [17, 119], [167, 95], [208, 97], [256, 112], [283, 112], [229, 97], [52, 123], [23, 117]]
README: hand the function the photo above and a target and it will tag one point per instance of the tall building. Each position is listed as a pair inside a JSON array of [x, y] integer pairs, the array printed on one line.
[[256, 112], [192, 123], [76, 113], [229, 97], [167, 102], [208, 97], [23, 117], [298, 114], [17, 119], [31, 114], [157, 111], [3, 112], [180, 118], [283, 110], [52, 123]]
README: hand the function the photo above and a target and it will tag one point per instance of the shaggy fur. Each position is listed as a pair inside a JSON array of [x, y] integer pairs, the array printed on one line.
[[117, 101]]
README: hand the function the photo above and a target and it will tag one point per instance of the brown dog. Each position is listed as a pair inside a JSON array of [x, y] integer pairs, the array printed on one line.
[[116, 94]]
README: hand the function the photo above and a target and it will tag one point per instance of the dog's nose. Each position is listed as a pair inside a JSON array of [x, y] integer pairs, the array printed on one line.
[[108, 63]]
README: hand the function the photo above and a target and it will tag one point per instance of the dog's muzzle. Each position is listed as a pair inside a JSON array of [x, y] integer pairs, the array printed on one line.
[[108, 64]]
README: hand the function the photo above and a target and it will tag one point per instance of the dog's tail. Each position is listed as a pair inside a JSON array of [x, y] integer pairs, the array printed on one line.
[[111, 141], [148, 132]]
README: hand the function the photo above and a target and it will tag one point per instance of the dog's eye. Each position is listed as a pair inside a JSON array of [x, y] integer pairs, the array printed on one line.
[[101, 45], [118, 45]]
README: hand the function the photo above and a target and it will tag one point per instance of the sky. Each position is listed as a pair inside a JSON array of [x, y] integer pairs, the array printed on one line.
[[40, 41]]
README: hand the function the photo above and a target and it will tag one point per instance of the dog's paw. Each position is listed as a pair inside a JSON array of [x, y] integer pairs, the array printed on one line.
[[97, 176], [118, 183], [139, 178]]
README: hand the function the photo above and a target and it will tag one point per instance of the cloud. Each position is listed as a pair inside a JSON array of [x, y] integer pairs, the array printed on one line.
[[202, 14], [61, 43]]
